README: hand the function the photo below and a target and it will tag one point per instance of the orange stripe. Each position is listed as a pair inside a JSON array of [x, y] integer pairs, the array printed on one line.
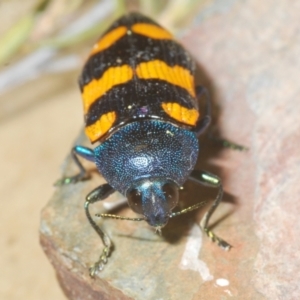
[[157, 69], [98, 87], [180, 113], [151, 31], [109, 39], [98, 129]]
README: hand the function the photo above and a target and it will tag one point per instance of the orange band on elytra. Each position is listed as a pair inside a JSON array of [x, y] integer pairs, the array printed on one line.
[[157, 69], [109, 39], [99, 128], [98, 87], [151, 31], [180, 113]]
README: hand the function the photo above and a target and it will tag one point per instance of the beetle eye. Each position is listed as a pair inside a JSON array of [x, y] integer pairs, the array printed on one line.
[[171, 194], [134, 198]]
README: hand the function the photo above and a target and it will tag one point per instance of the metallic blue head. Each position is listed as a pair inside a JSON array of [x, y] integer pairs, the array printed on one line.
[[154, 198], [147, 162]]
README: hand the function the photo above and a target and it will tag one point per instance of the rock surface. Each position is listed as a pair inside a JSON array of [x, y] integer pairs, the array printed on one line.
[[248, 53]]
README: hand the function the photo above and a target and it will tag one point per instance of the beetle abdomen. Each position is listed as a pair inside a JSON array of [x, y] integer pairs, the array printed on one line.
[[137, 70]]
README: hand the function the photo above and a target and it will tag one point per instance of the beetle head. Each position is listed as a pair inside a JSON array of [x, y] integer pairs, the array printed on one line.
[[154, 199]]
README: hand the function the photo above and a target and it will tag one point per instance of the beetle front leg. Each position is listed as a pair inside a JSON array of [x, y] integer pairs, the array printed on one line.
[[210, 180], [84, 152], [98, 194]]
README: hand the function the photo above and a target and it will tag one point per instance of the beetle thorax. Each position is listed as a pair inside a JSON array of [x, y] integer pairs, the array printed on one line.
[[146, 150]]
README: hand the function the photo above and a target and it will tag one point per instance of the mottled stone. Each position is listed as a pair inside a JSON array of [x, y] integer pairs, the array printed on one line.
[[250, 52]]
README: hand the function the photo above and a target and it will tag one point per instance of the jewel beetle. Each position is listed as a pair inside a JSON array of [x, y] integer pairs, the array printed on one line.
[[141, 108]]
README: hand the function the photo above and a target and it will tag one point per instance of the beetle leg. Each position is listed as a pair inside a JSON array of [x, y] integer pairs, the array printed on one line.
[[98, 194], [210, 180], [226, 143], [84, 152], [206, 119]]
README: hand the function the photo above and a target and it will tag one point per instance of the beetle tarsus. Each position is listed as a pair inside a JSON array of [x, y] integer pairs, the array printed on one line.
[[98, 266], [220, 242], [71, 179]]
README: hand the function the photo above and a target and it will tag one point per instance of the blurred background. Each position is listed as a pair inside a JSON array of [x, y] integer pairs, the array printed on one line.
[[43, 45]]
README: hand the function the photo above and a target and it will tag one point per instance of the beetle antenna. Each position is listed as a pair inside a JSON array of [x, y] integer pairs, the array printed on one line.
[[118, 217], [188, 209]]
